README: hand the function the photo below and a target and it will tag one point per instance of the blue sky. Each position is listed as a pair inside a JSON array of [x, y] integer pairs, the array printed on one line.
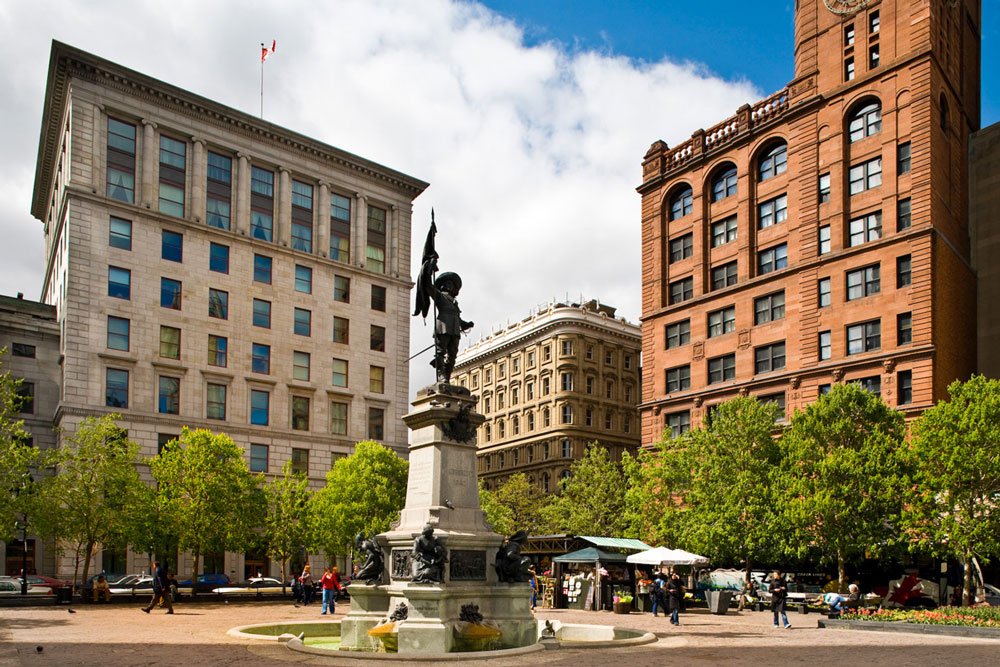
[[732, 42]]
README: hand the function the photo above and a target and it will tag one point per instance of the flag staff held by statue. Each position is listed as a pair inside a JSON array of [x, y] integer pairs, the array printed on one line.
[[264, 53]]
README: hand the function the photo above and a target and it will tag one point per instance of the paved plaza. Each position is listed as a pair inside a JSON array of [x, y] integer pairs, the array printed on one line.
[[196, 635]]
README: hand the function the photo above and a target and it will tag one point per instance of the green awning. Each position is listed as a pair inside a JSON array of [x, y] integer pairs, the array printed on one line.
[[590, 555], [617, 543]]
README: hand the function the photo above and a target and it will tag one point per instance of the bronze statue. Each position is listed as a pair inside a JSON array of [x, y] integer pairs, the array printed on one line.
[[448, 323], [510, 565], [429, 557], [371, 571]]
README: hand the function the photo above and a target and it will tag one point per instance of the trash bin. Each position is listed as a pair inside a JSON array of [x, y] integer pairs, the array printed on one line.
[[64, 595], [718, 601]]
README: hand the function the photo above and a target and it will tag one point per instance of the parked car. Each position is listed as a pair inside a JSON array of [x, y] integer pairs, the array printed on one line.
[[206, 583], [51, 582], [11, 587], [992, 595], [256, 586], [133, 585]]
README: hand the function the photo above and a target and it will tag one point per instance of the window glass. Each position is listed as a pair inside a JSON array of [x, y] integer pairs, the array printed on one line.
[[119, 283], [170, 293], [341, 330], [215, 401], [116, 388], [681, 203], [262, 313], [118, 333], [678, 334], [218, 258], [172, 246], [261, 358], [303, 279], [772, 259], [170, 342], [262, 269], [339, 378], [218, 350], [772, 212], [865, 121], [120, 233], [774, 162], [258, 458], [300, 414], [724, 231], [378, 298], [303, 322], [376, 379], [169, 395], [218, 304], [260, 407], [301, 362], [338, 418], [724, 184]]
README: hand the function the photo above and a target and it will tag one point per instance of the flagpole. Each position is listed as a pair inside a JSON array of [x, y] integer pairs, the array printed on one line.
[[262, 81]]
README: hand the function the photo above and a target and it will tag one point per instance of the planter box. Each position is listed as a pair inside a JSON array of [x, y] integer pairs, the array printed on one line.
[[623, 607], [718, 601]]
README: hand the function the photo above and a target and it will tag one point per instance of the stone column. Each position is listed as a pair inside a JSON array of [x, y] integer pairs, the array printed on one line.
[[283, 219], [321, 220], [199, 168], [241, 221], [150, 166]]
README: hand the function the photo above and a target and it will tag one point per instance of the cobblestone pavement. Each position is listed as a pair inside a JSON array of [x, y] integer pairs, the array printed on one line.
[[196, 635]]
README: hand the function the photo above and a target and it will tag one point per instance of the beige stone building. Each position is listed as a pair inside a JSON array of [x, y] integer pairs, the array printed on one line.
[[211, 269], [548, 386]]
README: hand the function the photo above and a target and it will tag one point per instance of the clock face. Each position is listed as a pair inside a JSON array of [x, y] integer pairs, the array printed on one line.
[[845, 7]]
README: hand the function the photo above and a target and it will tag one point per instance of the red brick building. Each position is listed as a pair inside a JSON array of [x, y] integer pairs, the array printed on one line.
[[821, 235]]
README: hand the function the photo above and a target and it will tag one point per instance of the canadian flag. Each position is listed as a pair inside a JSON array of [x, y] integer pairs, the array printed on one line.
[[265, 51]]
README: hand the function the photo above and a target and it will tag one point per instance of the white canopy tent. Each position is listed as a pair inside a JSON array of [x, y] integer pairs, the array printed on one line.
[[666, 556]]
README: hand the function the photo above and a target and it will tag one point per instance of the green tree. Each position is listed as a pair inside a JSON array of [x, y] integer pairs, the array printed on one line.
[[17, 458], [515, 505], [364, 492], [846, 470], [206, 493], [656, 478], [286, 523], [592, 501], [951, 509], [97, 494]]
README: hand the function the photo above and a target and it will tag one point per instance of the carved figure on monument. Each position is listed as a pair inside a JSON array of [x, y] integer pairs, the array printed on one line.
[[371, 570], [443, 291], [511, 566], [429, 556]]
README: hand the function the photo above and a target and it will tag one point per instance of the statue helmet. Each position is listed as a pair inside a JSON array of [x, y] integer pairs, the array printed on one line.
[[448, 277]]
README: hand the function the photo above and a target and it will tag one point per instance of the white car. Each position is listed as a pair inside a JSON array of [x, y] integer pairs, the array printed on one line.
[[10, 586], [255, 586]]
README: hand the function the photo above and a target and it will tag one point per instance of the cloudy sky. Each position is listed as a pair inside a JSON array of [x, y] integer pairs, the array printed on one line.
[[529, 119]]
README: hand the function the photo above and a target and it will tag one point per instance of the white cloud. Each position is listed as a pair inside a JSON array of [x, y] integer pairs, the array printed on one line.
[[533, 154]]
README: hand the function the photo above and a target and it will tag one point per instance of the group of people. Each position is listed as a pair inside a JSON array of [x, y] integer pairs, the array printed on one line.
[[304, 588], [667, 594]]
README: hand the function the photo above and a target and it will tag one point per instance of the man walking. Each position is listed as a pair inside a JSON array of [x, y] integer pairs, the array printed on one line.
[[675, 592], [161, 589], [779, 594]]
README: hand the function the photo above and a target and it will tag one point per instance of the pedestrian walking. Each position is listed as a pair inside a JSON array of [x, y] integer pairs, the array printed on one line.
[[330, 582], [306, 581], [657, 594], [161, 589], [779, 595], [533, 582], [675, 593]]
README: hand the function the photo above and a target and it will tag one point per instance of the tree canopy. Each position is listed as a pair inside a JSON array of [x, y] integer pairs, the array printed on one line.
[[17, 457], [592, 501], [516, 504], [286, 523]]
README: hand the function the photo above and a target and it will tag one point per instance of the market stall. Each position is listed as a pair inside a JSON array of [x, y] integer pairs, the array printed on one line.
[[656, 558], [588, 575]]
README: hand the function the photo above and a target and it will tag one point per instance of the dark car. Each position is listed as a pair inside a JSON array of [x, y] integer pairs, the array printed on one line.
[[206, 583]]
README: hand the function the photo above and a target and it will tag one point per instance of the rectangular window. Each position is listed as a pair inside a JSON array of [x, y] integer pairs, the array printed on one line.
[[824, 188], [378, 298], [678, 333], [173, 161], [340, 368], [376, 341], [873, 22], [873, 56], [768, 358], [722, 321], [903, 158], [121, 161], [262, 313], [681, 290], [724, 231], [866, 228], [375, 251], [118, 333], [26, 398], [724, 276], [219, 191], [866, 176], [120, 233], [904, 380], [215, 401], [872, 384], [116, 388], [769, 308], [376, 423], [903, 214], [300, 414], [567, 414], [170, 293], [170, 342], [681, 248], [849, 69], [722, 368], [302, 216], [260, 407], [301, 362], [341, 289], [376, 379], [259, 456], [904, 328], [863, 282], [119, 283], [22, 350], [904, 275], [303, 322], [679, 423], [218, 350], [218, 304], [338, 418], [823, 289], [169, 395], [678, 379], [864, 337], [341, 330], [261, 204], [824, 240], [340, 228], [260, 361], [218, 258], [303, 279], [567, 381], [262, 269], [567, 348], [825, 345], [772, 259], [772, 212], [848, 35]]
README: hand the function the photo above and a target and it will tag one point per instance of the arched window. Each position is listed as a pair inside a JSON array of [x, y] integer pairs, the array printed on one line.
[[773, 162], [501, 430], [515, 425], [545, 482], [515, 457], [501, 460], [564, 475], [724, 183], [546, 417], [865, 121], [488, 433], [681, 202], [531, 421]]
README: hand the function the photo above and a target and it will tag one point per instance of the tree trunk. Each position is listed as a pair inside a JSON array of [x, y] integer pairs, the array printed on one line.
[[968, 590], [284, 578], [194, 573], [76, 566], [841, 571], [86, 561]]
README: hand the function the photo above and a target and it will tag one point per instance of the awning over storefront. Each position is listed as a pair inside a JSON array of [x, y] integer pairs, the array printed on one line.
[[590, 555]]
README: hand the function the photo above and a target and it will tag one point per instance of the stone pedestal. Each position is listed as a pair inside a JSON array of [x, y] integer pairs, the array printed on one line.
[[441, 490]]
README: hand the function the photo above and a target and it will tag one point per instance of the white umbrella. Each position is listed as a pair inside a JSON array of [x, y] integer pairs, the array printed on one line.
[[666, 556]]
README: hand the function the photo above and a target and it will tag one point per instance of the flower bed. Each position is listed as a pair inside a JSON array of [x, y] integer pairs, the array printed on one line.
[[978, 617]]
